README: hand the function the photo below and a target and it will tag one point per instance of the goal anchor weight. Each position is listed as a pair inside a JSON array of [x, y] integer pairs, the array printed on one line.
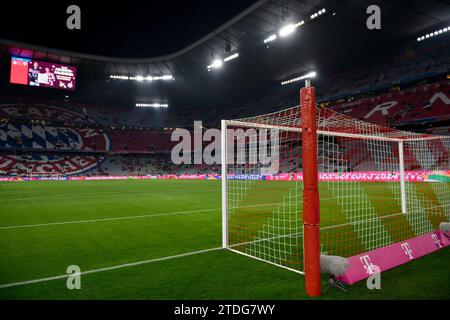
[[311, 215]]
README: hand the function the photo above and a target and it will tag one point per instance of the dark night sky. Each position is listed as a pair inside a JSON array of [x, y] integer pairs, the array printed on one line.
[[134, 29]]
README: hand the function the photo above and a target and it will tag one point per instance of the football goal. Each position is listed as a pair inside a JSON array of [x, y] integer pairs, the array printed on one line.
[[44, 176], [308, 181]]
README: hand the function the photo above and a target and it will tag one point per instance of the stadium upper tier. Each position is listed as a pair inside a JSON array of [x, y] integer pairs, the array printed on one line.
[[410, 66], [430, 63], [425, 103], [422, 104]]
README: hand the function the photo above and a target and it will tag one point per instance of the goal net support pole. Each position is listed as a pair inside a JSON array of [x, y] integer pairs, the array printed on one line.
[[402, 176], [224, 184], [311, 215]]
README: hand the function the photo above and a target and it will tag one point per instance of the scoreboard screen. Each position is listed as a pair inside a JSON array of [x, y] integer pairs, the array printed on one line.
[[42, 74]]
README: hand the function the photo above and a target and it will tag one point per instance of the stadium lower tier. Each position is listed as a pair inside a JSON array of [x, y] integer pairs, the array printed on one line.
[[47, 164], [55, 164], [36, 166]]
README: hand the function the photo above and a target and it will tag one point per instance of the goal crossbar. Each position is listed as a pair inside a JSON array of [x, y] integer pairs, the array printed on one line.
[[235, 123]]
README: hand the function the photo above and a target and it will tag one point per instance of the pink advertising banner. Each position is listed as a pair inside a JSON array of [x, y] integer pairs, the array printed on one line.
[[183, 177], [368, 176], [96, 178], [366, 264]]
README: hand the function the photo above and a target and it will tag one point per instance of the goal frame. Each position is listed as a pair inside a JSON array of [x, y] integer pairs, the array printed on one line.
[[311, 205], [38, 175], [311, 208]]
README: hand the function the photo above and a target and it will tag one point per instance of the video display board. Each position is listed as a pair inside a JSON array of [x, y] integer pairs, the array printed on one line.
[[42, 74]]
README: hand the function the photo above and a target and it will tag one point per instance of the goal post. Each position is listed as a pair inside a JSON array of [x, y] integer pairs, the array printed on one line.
[[224, 184], [43, 175], [307, 181], [311, 215], [401, 159]]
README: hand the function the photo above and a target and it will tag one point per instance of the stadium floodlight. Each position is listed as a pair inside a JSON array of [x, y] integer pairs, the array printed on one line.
[[117, 77], [287, 30], [433, 34], [270, 38], [318, 13], [152, 105], [300, 23], [141, 78], [232, 57], [309, 75], [218, 63], [310, 196]]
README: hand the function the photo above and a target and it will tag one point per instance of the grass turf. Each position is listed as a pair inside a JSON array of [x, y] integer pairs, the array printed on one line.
[[156, 219]]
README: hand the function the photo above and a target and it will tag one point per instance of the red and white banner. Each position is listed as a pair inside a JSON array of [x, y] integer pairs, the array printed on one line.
[[369, 176]]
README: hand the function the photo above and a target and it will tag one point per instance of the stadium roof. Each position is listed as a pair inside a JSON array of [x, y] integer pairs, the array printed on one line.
[[332, 43]]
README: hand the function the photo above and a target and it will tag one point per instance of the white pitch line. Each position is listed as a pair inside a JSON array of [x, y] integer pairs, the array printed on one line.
[[130, 217], [120, 266], [122, 218], [100, 194], [105, 219]]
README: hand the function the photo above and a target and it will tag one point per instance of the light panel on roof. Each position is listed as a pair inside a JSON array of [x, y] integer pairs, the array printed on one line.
[[433, 34], [270, 38], [287, 30], [152, 105], [284, 31], [218, 63], [309, 75], [232, 57], [318, 13], [141, 78]]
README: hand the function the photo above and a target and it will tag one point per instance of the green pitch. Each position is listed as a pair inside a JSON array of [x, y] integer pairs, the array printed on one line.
[[152, 240]]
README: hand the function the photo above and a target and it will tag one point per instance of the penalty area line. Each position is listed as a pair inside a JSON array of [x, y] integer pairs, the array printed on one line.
[[155, 215], [121, 266], [105, 219]]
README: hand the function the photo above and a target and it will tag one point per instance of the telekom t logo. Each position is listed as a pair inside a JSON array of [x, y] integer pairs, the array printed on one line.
[[407, 250], [367, 264], [436, 240]]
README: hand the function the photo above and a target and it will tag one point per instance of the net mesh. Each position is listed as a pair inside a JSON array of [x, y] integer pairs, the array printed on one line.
[[359, 185]]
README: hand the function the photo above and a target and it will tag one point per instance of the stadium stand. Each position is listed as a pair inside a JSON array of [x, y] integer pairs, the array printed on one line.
[[50, 137], [28, 164], [423, 104]]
